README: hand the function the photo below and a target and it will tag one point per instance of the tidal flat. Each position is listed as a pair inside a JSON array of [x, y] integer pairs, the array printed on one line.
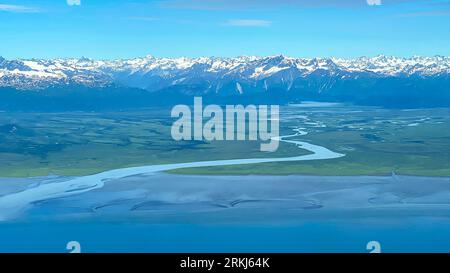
[[198, 213]]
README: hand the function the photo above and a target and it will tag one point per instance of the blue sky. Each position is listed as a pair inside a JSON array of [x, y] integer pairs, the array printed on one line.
[[170, 28]]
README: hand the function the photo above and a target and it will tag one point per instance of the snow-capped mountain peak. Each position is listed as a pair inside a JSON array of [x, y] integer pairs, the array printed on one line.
[[151, 72]]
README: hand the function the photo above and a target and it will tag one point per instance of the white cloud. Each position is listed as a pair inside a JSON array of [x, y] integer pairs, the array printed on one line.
[[74, 2], [248, 23], [16, 8], [374, 2]]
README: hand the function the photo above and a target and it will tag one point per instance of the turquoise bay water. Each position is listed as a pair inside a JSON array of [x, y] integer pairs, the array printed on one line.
[[413, 235]]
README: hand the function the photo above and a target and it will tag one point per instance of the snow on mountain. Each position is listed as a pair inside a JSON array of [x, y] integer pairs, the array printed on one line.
[[154, 73]]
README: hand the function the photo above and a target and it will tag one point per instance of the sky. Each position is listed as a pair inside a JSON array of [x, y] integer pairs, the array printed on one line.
[[115, 29]]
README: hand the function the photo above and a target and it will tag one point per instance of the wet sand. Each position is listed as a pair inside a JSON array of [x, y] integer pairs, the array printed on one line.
[[236, 199]]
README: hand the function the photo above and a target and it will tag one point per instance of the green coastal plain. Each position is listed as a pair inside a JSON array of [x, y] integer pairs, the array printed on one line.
[[376, 141]]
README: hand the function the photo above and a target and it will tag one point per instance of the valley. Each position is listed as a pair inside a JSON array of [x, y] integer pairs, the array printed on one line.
[[376, 141]]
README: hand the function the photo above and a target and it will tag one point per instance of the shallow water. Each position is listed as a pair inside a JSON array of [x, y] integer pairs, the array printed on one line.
[[394, 235]]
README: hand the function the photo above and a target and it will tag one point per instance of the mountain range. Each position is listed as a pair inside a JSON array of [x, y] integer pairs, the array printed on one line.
[[85, 83]]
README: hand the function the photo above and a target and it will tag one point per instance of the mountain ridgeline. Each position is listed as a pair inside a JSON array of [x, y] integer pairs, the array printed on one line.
[[85, 84]]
